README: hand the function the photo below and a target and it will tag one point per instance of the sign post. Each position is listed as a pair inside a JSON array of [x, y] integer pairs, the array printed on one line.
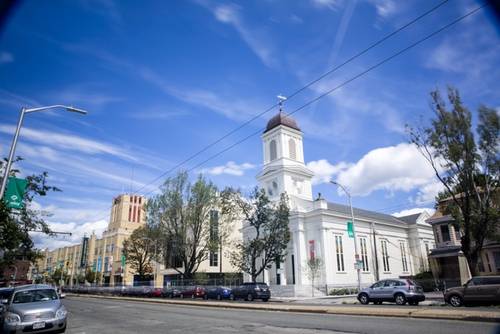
[[14, 194]]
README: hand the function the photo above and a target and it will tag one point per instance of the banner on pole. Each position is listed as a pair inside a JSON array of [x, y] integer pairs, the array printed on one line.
[[14, 194]]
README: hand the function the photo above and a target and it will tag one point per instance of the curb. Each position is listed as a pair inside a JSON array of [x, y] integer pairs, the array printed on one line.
[[407, 312]]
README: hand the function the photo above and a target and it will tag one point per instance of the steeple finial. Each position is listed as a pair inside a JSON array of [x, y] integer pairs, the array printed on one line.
[[281, 99]]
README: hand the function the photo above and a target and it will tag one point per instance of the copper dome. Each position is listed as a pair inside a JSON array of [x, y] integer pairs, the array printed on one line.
[[281, 119]]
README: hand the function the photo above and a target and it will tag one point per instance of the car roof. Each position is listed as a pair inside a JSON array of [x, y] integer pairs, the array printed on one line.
[[32, 287]]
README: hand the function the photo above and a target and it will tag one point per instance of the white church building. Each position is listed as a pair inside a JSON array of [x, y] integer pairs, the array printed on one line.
[[389, 247]]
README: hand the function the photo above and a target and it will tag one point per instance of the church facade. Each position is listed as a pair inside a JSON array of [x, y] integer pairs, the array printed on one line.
[[388, 247]]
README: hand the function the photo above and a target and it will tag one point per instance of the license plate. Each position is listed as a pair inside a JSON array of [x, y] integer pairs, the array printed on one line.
[[39, 325]]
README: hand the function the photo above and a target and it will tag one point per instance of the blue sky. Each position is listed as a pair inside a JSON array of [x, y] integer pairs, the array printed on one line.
[[162, 79]]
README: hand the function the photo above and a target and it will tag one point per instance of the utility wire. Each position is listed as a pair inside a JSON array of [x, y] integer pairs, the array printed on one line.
[[357, 76], [295, 93]]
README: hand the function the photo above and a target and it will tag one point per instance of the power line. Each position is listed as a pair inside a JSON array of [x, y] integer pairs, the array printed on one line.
[[362, 73], [318, 97], [295, 93]]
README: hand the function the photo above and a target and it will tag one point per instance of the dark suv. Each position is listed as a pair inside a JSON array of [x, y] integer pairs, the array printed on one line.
[[481, 289], [251, 291]]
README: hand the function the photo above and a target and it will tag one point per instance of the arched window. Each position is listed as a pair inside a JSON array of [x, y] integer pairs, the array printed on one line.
[[272, 150], [292, 149]]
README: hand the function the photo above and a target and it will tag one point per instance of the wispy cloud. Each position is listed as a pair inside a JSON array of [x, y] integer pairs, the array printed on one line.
[[330, 4], [15, 100], [384, 8], [230, 168], [6, 57], [158, 114], [255, 38]]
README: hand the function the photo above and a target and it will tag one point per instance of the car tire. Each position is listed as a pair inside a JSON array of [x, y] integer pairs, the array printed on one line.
[[181, 296], [250, 297], [456, 301], [231, 297], [400, 299], [205, 297], [219, 297], [364, 299], [193, 296], [265, 300]]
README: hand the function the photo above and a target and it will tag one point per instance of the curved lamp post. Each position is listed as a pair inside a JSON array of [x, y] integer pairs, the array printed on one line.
[[356, 254], [16, 136]]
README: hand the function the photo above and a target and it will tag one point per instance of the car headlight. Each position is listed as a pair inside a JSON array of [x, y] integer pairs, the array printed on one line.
[[61, 313], [12, 318]]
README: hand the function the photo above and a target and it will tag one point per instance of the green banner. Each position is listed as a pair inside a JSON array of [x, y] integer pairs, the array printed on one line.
[[14, 194], [350, 229]]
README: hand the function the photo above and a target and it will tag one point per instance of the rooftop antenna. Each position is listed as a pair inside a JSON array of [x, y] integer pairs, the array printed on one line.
[[281, 99]]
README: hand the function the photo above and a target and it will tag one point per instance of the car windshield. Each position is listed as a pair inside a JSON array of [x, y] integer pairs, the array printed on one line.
[[32, 296]]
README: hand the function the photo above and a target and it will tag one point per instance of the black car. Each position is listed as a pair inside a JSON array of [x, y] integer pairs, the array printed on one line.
[[171, 292], [218, 292], [251, 291]]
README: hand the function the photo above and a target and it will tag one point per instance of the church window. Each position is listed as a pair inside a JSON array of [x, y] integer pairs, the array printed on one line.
[[404, 261], [292, 149], [364, 254], [339, 250], [273, 150], [385, 256]]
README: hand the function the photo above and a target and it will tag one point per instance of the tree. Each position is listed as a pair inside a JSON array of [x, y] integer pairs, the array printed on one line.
[[139, 251], [313, 270], [90, 275], [188, 222], [15, 240], [267, 230], [467, 168]]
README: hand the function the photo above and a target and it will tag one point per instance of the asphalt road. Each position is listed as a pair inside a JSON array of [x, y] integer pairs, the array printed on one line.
[[91, 315]]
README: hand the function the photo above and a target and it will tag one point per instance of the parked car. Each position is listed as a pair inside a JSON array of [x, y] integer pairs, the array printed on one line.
[[251, 291], [5, 294], [34, 308], [480, 289], [218, 292], [193, 292], [171, 292], [400, 291], [155, 292]]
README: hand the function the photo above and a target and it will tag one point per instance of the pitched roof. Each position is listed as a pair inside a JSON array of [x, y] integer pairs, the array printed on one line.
[[410, 219], [365, 213]]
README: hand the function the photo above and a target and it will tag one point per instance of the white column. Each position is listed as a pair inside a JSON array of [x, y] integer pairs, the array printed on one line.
[[301, 257]]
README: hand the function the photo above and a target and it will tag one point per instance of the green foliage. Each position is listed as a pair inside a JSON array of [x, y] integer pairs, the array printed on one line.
[[15, 241], [268, 231], [139, 250], [181, 215], [468, 168], [342, 292], [90, 276]]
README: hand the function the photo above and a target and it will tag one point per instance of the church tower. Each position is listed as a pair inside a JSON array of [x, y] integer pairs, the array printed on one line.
[[284, 168]]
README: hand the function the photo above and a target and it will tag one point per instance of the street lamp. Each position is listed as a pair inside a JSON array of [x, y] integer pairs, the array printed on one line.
[[16, 135], [155, 260], [356, 254]]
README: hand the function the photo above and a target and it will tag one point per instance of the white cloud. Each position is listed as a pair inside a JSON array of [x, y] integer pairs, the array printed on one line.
[[230, 168], [393, 168], [427, 193], [324, 171], [331, 4], [384, 8], [412, 211], [77, 232], [69, 142], [6, 57], [230, 14]]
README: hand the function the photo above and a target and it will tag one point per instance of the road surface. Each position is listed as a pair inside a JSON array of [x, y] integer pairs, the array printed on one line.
[[92, 315]]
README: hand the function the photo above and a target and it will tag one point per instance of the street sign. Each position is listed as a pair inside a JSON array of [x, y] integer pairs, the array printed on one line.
[[14, 194], [350, 229]]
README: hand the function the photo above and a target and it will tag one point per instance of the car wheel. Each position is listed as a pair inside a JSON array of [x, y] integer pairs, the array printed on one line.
[[182, 296], [219, 297], [193, 296], [265, 299], [205, 297], [363, 299], [231, 297], [250, 297], [456, 301], [400, 299]]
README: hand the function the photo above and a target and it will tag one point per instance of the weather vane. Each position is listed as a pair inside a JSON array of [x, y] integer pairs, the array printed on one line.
[[281, 99]]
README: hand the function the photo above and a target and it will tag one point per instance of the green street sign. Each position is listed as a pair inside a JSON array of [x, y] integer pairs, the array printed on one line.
[[14, 194], [350, 229]]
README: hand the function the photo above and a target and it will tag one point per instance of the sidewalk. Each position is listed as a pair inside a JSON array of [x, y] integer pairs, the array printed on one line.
[[357, 310], [431, 298]]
